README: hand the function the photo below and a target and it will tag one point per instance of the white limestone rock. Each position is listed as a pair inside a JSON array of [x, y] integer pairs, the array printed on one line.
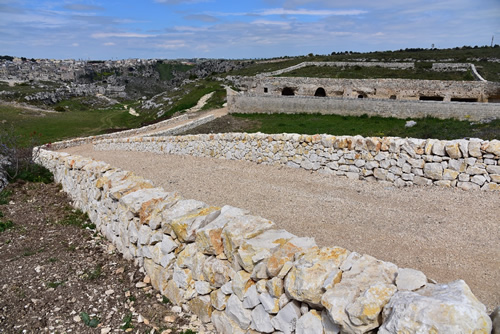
[[328, 326], [168, 244], [209, 237], [236, 312], [310, 323], [219, 299], [440, 308], [433, 171], [410, 279], [217, 272], [251, 298], [261, 320], [224, 324], [240, 229], [270, 304], [355, 303], [286, 319], [276, 262], [254, 250], [311, 268], [186, 226], [202, 287]]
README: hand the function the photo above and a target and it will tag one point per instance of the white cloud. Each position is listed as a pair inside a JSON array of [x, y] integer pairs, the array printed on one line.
[[120, 34], [311, 12], [75, 44], [172, 45], [109, 44], [273, 23]]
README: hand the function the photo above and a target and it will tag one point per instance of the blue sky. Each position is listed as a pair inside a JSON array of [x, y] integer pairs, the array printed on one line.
[[120, 29]]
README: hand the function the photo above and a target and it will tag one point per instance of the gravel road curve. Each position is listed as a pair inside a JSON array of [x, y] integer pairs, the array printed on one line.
[[449, 234]]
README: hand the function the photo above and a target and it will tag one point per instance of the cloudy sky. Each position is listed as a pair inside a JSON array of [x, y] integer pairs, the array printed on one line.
[[119, 29]]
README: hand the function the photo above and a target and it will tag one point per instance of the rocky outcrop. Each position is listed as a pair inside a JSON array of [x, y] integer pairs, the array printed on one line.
[[237, 271]]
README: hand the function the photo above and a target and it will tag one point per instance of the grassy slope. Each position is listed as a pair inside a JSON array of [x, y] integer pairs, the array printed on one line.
[[371, 126], [57, 126]]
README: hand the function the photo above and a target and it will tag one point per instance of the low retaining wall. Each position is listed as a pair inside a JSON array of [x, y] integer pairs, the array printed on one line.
[[235, 270], [127, 133], [184, 127], [466, 164], [250, 104]]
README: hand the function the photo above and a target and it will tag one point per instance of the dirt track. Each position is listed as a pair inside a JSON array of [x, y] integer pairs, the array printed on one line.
[[449, 234]]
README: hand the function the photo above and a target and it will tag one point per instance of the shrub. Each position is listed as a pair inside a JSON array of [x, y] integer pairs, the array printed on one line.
[[18, 160]]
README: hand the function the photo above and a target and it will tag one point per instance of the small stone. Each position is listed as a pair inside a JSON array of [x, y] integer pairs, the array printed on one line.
[[109, 292], [105, 330], [77, 318], [176, 309], [147, 279], [410, 279], [141, 285], [120, 270], [169, 318]]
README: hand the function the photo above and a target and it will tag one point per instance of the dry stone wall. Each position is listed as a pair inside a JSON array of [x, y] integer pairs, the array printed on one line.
[[238, 272], [245, 103], [466, 164]]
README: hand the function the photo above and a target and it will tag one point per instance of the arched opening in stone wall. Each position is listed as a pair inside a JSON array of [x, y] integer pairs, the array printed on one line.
[[393, 97], [463, 99], [320, 92], [431, 98], [287, 91]]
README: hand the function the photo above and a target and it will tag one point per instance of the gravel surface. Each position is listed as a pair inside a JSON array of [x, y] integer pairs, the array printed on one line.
[[449, 234]]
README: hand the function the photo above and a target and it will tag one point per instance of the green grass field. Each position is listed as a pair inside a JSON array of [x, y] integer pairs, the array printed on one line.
[[54, 126], [371, 126]]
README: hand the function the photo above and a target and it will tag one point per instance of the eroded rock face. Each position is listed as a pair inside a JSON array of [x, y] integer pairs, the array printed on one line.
[[439, 308]]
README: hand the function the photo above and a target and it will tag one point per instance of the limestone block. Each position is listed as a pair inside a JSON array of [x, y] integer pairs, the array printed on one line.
[[453, 150], [328, 326], [433, 171], [185, 227], [495, 178], [156, 237], [240, 229], [241, 282], [251, 297], [227, 288], [438, 148], [410, 279], [209, 238], [270, 304], [167, 260], [144, 234], [180, 209], [334, 277], [236, 312], [475, 148], [261, 285], [468, 186], [275, 287], [182, 277], [491, 187], [440, 308], [287, 317], [122, 183], [225, 325], [311, 268], [155, 216], [363, 291], [140, 201], [478, 179], [449, 174], [217, 272], [380, 173], [202, 307], [285, 253], [261, 320], [261, 247], [218, 299], [476, 170], [168, 244], [202, 287], [173, 292], [493, 169], [259, 272], [309, 323], [493, 147], [154, 271]]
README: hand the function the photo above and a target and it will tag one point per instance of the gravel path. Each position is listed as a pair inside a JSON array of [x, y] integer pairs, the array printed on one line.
[[449, 234]]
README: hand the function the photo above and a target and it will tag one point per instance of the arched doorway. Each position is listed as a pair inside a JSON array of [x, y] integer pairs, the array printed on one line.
[[287, 91], [320, 92]]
